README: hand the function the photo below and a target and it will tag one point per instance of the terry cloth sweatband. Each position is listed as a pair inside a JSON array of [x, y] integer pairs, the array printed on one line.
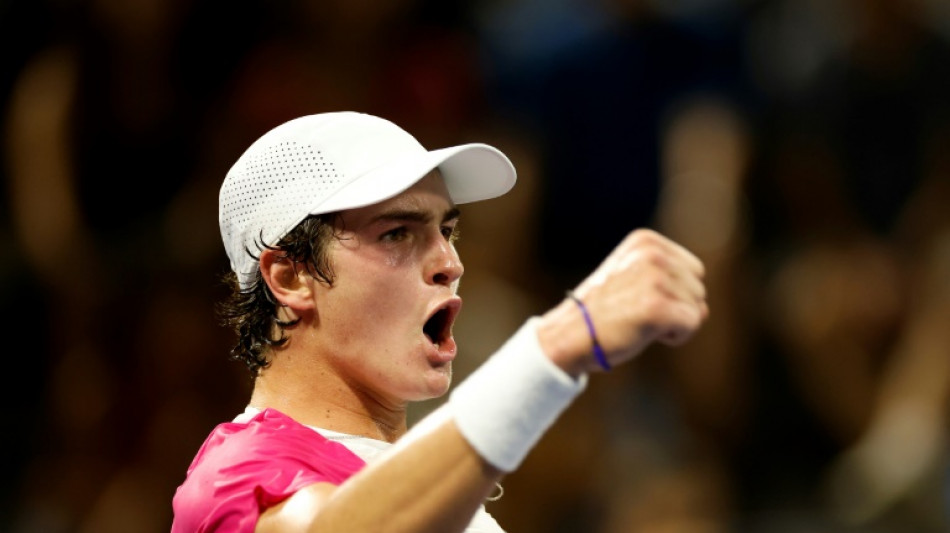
[[503, 408]]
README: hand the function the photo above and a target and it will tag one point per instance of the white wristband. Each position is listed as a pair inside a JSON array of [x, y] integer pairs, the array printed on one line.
[[505, 406]]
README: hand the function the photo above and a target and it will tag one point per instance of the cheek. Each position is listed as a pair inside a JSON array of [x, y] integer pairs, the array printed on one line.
[[375, 288], [374, 294]]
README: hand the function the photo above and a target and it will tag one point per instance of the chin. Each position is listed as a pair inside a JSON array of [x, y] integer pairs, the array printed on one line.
[[436, 386]]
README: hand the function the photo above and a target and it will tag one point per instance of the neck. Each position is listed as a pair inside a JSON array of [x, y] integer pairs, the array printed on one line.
[[328, 403]]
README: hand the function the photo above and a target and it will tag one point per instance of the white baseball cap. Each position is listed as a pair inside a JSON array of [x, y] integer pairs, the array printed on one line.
[[329, 162]]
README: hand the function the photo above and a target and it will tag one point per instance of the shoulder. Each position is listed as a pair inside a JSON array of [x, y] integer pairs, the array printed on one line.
[[271, 439], [245, 467]]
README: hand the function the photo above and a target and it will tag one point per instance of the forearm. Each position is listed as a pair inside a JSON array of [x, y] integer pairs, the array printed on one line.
[[448, 464], [436, 484]]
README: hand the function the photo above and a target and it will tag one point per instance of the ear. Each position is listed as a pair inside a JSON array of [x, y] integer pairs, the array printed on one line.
[[288, 281]]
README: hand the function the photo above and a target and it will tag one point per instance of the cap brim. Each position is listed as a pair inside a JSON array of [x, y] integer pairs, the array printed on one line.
[[472, 172]]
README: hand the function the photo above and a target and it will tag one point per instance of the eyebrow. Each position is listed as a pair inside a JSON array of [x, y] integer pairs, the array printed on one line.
[[412, 215]]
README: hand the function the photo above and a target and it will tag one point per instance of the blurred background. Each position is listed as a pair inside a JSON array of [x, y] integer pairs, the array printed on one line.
[[801, 148]]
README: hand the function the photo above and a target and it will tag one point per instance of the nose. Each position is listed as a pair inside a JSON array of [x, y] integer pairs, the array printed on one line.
[[445, 266]]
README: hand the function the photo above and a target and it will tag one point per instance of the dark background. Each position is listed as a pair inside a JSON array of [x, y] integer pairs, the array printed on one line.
[[800, 148]]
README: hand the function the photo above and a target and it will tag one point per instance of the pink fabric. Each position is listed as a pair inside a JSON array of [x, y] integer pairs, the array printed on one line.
[[242, 469]]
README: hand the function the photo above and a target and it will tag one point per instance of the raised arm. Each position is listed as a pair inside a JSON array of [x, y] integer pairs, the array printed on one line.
[[649, 289]]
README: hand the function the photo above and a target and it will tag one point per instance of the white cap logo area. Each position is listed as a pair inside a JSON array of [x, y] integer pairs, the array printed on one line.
[[334, 161]]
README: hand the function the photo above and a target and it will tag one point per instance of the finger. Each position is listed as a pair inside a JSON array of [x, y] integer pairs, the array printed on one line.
[[643, 240], [693, 264], [686, 322], [680, 280], [688, 285]]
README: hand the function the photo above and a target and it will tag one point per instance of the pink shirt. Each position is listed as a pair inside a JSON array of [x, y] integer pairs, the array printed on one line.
[[242, 469]]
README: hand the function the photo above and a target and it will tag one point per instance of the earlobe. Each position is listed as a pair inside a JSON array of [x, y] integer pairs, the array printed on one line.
[[285, 278]]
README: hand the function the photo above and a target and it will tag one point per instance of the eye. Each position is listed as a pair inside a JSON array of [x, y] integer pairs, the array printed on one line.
[[450, 233], [395, 234]]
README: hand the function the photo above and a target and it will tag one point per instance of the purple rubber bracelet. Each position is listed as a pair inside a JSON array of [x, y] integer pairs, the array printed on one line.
[[598, 351]]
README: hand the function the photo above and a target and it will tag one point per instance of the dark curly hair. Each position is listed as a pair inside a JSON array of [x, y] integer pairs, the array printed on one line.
[[252, 313]]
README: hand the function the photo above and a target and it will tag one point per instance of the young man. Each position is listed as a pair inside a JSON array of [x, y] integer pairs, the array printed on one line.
[[340, 229]]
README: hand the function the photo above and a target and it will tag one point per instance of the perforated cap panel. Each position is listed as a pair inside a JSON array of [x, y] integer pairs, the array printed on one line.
[[278, 180]]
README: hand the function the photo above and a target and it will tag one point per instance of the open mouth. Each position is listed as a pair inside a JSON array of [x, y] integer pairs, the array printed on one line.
[[438, 328]]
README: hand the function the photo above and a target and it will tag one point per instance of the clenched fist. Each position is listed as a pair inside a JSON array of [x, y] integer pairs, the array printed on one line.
[[649, 289]]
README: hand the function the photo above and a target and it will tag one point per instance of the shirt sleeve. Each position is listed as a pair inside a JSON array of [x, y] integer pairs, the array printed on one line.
[[244, 469]]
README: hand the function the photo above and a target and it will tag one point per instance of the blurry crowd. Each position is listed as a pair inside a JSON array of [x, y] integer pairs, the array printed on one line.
[[801, 148]]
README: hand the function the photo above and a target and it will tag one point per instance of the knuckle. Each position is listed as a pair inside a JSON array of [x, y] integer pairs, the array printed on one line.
[[643, 236], [655, 256]]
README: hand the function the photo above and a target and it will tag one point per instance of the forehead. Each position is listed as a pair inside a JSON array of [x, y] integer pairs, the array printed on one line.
[[428, 195]]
